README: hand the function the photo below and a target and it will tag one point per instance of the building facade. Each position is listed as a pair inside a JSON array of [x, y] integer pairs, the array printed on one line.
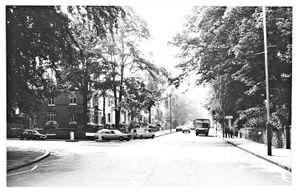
[[65, 110]]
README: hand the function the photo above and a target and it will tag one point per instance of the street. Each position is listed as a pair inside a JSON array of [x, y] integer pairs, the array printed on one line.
[[173, 160]]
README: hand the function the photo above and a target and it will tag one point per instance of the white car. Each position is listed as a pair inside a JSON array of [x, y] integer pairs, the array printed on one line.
[[142, 133], [186, 130], [108, 135], [100, 132]]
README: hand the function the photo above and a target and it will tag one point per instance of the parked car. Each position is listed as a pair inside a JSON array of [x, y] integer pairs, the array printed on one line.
[[142, 133], [178, 128], [186, 130], [32, 134], [100, 132], [115, 135]]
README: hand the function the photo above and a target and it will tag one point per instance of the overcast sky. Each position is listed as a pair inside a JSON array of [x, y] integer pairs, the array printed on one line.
[[163, 22]]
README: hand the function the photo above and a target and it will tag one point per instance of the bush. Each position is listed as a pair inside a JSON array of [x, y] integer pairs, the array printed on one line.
[[51, 125]]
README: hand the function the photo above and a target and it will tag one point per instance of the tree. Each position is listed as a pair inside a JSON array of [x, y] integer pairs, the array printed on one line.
[[125, 57], [224, 45], [90, 27], [38, 43], [104, 86]]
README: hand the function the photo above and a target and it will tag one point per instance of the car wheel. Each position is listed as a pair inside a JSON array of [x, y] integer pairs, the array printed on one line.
[[152, 137], [105, 139], [121, 138], [141, 137]]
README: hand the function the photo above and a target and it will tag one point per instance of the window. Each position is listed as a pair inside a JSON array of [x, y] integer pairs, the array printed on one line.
[[51, 101], [73, 100], [91, 116], [90, 103], [96, 117], [108, 117], [73, 119], [34, 121], [124, 117], [51, 116], [100, 118]]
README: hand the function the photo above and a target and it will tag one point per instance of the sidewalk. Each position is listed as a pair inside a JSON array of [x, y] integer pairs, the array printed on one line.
[[20, 157], [164, 132], [280, 157]]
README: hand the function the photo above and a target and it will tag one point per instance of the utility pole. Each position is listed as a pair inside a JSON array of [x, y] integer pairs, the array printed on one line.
[[171, 112], [269, 132]]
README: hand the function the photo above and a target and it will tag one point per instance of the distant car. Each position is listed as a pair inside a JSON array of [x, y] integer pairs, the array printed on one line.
[[178, 128], [32, 134], [186, 130], [115, 135], [142, 133]]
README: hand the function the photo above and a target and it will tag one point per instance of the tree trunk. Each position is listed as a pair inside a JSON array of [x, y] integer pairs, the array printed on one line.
[[117, 112], [104, 110], [85, 101], [149, 116], [288, 137]]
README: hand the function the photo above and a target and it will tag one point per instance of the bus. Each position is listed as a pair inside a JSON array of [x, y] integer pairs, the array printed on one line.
[[201, 126]]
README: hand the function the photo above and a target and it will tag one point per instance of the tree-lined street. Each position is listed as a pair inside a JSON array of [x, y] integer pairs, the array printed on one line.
[[173, 160], [82, 79]]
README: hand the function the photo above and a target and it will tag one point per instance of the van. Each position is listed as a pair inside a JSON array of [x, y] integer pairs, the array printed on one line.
[[142, 133]]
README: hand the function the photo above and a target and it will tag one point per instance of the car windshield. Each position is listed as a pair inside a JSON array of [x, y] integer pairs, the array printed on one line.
[[117, 132], [103, 131]]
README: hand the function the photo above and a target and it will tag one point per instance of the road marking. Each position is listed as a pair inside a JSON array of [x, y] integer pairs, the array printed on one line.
[[22, 172]]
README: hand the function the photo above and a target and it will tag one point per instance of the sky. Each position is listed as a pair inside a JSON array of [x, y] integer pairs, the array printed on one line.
[[164, 22]]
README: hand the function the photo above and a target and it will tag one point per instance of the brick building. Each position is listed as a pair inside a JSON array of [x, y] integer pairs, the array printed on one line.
[[65, 109]]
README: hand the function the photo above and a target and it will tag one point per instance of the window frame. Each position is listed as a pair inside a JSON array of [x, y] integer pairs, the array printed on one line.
[[51, 101], [73, 100]]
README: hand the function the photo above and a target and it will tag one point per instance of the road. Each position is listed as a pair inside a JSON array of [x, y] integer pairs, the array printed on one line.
[[173, 160]]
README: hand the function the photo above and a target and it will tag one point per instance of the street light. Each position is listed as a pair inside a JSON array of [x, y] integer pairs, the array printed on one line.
[[171, 112], [269, 132]]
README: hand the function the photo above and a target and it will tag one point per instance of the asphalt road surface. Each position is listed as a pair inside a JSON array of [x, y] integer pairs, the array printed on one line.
[[173, 160]]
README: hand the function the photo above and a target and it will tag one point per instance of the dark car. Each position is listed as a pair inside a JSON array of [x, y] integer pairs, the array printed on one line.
[[178, 128], [32, 134]]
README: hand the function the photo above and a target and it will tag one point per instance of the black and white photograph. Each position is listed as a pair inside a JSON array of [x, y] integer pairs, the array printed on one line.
[[149, 95]]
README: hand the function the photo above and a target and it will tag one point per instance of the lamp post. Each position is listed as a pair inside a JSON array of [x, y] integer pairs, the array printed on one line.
[[269, 132], [171, 112]]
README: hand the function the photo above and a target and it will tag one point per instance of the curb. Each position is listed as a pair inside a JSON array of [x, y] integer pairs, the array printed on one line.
[[72, 140], [262, 157], [45, 154], [164, 134]]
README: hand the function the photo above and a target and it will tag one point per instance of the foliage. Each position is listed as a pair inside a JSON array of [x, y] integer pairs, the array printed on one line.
[[90, 26], [224, 45], [122, 51], [38, 42]]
